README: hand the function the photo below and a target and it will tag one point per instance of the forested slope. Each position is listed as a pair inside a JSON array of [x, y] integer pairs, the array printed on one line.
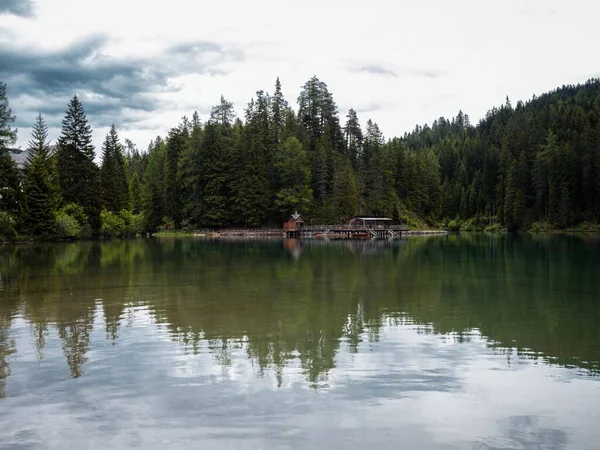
[[535, 163]]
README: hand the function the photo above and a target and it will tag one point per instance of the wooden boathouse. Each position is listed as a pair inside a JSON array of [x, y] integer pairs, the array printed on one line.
[[358, 227], [294, 225]]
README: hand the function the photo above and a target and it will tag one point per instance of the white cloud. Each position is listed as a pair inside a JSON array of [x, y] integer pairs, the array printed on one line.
[[444, 56]]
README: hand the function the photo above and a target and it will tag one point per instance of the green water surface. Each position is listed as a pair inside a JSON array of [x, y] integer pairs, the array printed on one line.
[[443, 342]]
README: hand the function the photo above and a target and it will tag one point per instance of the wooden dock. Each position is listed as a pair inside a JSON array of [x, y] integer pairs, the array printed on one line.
[[347, 231]]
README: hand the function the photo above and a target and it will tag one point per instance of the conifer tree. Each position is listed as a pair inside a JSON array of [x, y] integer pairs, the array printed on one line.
[[177, 142], [293, 171], [189, 171], [254, 160], [40, 187], [115, 189], [78, 175], [9, 175], [354, 138], [279, 108], [135, 194], [217, 141], [153, 201]]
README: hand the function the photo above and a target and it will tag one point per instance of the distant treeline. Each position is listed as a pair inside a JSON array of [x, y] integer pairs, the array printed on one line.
[[535, 165]]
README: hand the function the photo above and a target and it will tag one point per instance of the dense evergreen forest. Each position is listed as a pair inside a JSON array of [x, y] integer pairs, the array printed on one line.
[[533, 166]]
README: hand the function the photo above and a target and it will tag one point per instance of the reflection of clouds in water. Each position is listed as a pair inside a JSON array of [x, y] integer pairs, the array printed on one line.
[[527, 432], [411, 387]]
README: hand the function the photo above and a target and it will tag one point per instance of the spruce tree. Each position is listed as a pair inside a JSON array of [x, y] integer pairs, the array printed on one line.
[[279, 107], [9, 175], [215, 174], [78, 175], [177, 143], [8, 135], [115, 189], [135, 194], [189, 171], [153, 187], [293, 171], [354, 138], [40, 187], [254, 159]]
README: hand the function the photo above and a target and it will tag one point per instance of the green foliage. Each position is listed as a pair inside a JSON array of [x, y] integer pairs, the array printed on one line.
[[67, 226], [9, 176], [121, 224], [9, 182], [295, 193], [153, 188], [7, 227], [8, 135], [41, 194], [135, 194], [175, 147], [78, 175], [77, 213], [536, 162], [112, 224], [115, 189]]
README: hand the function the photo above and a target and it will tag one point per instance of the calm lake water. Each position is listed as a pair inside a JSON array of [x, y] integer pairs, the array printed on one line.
[[453, 342]]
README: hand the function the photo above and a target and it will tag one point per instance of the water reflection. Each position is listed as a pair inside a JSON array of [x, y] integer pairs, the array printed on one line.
[[529, 297], [474, 341]]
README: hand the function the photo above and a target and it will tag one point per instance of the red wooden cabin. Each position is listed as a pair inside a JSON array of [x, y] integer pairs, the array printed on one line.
[[294, 223]]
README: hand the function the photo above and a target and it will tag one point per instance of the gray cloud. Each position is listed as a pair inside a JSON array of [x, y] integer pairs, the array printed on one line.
[[369, 107], [119, 86], [376, 70], [17, 7], [396, 72]]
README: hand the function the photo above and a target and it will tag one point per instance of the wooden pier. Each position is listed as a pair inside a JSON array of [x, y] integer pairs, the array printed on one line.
[[359, 227], [348, 231]]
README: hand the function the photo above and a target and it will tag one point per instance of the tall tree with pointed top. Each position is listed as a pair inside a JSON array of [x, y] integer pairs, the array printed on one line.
[[354, 138], [278, 106], [254, 163], [78, 174], [115, 189], [8, 135], [40, 187], [9, 175], [223, 113], [177, 143]]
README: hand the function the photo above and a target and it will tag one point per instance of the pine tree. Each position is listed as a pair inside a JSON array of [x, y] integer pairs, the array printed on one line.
[[115, 189], [254, 161], [354, 138], [279, 107], [190, 172], [345, 192], [8, 135], [40, 187], [9, 175], [293, 171], [153, 187], [78, 175], [177, 142], [368, 169], [135, 194], [223, 113], [216, 174]]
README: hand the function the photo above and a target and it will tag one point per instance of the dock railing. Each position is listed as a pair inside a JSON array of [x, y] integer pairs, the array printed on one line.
[[317, 228]]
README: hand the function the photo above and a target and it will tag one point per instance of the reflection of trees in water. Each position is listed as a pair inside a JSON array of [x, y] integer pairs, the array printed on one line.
[[7, 348], [527, 432], [303, 302]]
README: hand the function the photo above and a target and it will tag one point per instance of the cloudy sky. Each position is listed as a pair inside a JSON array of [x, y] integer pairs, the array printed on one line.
[[144, 64]]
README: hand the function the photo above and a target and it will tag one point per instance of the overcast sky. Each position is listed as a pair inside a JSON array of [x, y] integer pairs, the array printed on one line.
[[144, 64]]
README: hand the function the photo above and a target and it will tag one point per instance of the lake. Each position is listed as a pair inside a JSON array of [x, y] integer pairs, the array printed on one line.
[[447, 342]]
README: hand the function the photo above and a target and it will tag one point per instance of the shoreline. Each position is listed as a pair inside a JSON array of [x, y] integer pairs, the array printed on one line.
[[270, 233]]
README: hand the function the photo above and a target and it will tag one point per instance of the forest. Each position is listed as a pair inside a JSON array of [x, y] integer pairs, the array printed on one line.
[[533, 166]]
